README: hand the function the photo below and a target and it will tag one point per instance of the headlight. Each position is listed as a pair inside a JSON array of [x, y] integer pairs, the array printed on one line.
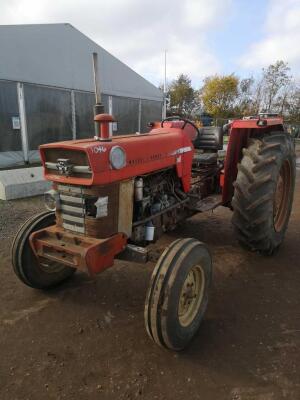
[[51, 200], [117, 157]]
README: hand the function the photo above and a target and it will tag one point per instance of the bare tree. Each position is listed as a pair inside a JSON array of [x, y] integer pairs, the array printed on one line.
[[276, 81]]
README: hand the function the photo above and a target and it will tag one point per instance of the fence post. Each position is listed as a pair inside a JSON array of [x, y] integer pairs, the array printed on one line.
[[110, 111], [73, 110], [23, 121], [140, 116]]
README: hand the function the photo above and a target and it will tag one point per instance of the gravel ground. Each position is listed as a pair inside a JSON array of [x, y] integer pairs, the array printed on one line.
[[86, 339]]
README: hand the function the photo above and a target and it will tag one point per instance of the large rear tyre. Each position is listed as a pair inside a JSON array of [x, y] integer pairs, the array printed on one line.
[[39, 275], [263, 194], [178, 293]]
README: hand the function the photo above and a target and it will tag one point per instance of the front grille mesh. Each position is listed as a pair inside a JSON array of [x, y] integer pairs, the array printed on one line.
[[77, 211], [72, 208], [77, 159]]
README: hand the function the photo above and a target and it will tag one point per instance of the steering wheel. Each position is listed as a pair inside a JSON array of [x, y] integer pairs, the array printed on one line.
[[178, 118]]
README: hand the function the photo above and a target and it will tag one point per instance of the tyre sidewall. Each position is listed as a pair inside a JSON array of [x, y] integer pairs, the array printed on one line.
[[278, 236], [177, 335], [25, 261]]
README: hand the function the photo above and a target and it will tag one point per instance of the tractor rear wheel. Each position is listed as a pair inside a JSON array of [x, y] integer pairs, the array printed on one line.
[[39, 275], [263, 194], [178, 293]]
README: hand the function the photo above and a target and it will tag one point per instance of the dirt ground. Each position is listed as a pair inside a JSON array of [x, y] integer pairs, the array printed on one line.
[[86, 339]]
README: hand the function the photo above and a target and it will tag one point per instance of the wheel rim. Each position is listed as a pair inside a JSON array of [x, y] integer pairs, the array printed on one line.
[[282, 196], [191, 295]]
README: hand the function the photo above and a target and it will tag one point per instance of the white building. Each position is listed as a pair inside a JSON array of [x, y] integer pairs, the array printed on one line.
[[46, 90]]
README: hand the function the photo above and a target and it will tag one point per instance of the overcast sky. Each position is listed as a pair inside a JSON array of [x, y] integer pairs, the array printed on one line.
[[202, 37]]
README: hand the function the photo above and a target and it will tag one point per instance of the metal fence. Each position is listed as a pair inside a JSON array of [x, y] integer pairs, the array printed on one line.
[[31, 115], [293, 128]]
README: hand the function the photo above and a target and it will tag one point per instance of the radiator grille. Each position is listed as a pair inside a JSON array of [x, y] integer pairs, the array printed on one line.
[[77, 160], [72, 208], [77, 211]]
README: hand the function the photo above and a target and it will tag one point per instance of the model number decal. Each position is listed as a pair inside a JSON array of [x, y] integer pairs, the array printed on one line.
[[99, 149], [181, 150]]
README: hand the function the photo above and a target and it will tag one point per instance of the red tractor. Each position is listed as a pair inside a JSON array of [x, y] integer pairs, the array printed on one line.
[[112, 196]]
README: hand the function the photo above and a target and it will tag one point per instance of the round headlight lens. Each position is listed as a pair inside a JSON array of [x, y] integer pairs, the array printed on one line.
[[117, 157]]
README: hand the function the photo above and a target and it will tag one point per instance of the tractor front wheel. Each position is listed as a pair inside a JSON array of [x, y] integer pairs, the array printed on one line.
[[178, 293], [34, 273], [263, 194]]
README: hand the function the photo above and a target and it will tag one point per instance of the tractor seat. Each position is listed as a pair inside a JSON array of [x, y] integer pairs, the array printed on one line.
[[209, 138]]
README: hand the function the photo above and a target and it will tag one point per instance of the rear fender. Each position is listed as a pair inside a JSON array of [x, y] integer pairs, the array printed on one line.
[[240, 133]]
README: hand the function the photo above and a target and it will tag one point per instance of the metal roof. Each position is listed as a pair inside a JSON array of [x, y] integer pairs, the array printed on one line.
[[60, 55]]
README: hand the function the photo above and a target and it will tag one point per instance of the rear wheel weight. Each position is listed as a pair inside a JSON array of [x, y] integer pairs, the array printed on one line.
[[263, 194], [178, 294], [26, 266]]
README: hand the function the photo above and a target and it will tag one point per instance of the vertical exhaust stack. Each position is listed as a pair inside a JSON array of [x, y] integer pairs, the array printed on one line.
[[101, 119], [98, 107]]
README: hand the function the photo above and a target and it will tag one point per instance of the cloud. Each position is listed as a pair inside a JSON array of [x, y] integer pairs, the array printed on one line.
[[137, 32], [281, 37]]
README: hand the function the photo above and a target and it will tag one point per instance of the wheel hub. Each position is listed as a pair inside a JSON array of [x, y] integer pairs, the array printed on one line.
[[191, 295]]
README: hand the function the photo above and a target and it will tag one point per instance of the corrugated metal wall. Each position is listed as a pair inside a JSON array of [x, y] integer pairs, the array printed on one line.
[[11, 152], [55, 114]]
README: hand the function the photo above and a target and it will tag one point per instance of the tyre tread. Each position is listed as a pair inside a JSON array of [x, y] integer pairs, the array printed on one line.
[[254, 191]]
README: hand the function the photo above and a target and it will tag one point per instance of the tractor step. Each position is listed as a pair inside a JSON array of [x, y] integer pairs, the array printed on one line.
[[141, 255], [208, 203], [134, 253]]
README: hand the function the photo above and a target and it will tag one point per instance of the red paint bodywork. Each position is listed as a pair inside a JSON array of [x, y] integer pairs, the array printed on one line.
[[170, 146], [103, 121], [240, 132], [159, 149], [85, 253], [144, 154]]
